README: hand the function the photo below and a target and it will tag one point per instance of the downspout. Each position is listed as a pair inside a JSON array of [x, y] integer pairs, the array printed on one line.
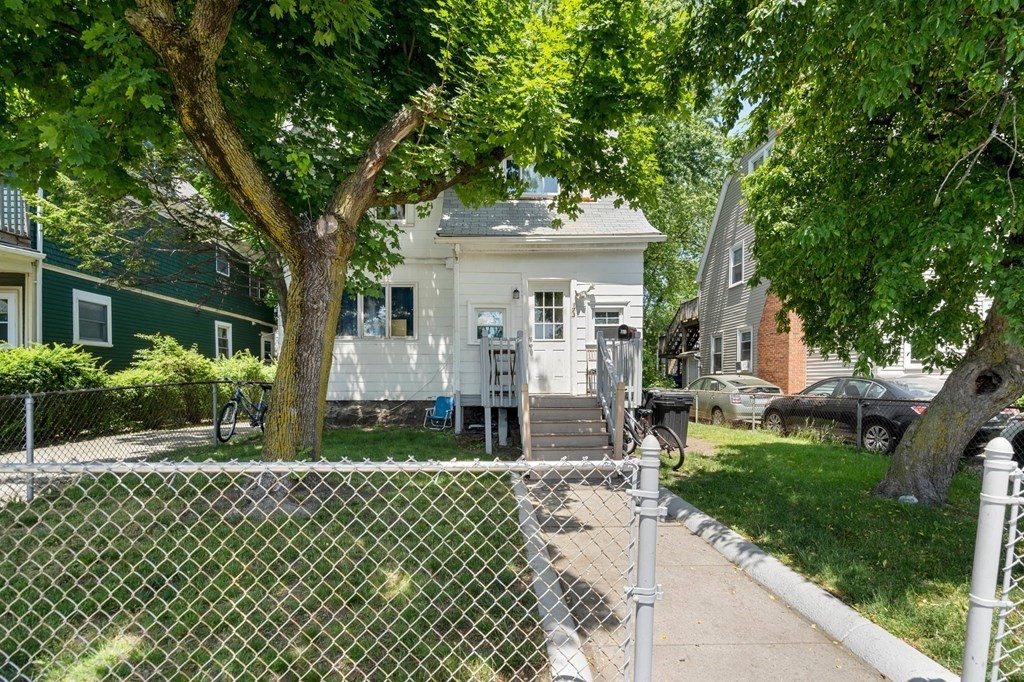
[[39, 275], [457, 338]]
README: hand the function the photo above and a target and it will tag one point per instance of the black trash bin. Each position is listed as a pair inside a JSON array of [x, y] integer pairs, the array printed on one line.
[[671, 409]]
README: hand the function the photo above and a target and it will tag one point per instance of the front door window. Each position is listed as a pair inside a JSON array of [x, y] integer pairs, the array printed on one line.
[[548, 315]]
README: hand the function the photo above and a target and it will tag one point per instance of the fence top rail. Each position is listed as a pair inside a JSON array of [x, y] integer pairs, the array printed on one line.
[[343, 466], [103, 389]]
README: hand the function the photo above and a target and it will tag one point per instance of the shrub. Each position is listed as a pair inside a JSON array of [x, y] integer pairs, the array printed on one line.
[[165, 361], [41, 368], [243, 366]]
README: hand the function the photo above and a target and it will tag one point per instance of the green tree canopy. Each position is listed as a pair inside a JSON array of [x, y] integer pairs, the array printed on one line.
[[307, 113], [890, 202]]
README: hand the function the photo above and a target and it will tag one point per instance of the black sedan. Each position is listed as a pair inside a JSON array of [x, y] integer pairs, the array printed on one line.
[[888, 407]]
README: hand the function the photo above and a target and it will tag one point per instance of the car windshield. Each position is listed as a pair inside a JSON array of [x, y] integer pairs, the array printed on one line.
[[923, 386]]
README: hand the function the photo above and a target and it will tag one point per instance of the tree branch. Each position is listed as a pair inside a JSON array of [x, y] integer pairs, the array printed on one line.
[[190, 56], [432, 188]]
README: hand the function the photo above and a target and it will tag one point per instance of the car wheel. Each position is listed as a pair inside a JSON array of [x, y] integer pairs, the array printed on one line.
[[717, 418], [1018, 448], [774, 422], [878, 438]]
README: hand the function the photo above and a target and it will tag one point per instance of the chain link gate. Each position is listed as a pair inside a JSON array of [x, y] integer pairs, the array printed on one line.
[[343, 570]]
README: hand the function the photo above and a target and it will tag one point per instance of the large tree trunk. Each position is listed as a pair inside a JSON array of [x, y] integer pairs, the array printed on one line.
[[295, 420], [990, 377]]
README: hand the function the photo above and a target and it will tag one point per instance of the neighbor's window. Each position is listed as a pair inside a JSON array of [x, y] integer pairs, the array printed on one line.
[[223, 338], [716, 354], [536, 184], [745, 346], [256, 289], [390, 314], [90, 317], [221, 263], [607, 322], [489, 322], [736, 265]]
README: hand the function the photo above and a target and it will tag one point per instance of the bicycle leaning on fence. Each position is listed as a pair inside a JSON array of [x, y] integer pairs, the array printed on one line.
[[256, 411], [636, 429]]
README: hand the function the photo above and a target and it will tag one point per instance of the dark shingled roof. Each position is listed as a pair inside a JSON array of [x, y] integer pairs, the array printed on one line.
[[532, 218]]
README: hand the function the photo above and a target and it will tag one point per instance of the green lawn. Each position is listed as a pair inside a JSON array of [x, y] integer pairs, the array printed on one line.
[[905, 567], [407, 576]]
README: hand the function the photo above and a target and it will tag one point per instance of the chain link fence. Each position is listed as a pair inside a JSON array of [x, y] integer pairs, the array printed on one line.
[[347, 571], [996, 652], [116, 423], [872, 423]]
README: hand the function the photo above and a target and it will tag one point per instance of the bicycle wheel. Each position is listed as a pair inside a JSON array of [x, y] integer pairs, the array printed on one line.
[[670, 443], [226, 421], [263, 415]]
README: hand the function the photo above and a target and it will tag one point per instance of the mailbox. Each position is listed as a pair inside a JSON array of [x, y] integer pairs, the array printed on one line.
[[626, 332]]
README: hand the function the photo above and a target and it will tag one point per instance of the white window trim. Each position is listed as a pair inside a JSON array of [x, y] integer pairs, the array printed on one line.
[[609, 307], [360, 332], [217, 256], [13, 321], [396, 221], [471, 309], [89, 297], [750, 361], [217, 326], [761, 155], [743, 264], [528, 194], [266, 338], [721, 339]]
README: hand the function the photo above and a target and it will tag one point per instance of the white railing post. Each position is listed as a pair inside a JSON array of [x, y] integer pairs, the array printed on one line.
[[216, 387], [30, 446], [646, 591], [987, 550]]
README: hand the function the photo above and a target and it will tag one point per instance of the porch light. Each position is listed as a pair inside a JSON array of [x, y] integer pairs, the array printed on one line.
[[515, 294]]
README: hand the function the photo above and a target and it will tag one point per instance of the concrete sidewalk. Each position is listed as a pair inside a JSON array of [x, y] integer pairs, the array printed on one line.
[[717, 623]]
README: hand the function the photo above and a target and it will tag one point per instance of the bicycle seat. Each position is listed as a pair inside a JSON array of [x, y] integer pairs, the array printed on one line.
[[265, 387]]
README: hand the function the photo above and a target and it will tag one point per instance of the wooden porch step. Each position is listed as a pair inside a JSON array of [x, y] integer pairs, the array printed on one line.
[[570, 440], [545, 401], [577, 426], [569, 453], [563, 414]]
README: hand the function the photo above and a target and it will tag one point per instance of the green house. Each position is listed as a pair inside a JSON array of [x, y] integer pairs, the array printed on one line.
[[200, 296]]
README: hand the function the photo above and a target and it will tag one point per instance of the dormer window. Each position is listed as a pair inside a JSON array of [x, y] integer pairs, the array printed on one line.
[[395, 212], [758, 159], [537, 185]]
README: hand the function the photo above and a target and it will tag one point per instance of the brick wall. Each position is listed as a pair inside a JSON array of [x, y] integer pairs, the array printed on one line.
[[781, 358]]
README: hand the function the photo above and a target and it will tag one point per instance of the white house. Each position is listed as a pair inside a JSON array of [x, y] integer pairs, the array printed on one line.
[[496, 271]]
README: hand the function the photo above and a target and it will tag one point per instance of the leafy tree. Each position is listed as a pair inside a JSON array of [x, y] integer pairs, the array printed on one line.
[[692, 155], [890, 203], [306, 114]]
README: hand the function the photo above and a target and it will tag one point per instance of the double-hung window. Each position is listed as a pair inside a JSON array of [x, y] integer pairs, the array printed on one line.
[[537, 185], [90, 318], [607, 322], [736, 265], [222, 337], [221, 262], [487, 321], [716, 354], [744, 349], [391, 313]]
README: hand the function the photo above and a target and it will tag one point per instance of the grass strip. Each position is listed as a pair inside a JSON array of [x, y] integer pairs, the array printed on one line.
[[905, 567]]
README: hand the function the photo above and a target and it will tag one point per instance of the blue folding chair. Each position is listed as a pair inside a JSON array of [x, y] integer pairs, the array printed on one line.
[[439, 417]]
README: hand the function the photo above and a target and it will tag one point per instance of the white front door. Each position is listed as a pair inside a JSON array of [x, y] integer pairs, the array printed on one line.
[[550, 369], [8, 319]]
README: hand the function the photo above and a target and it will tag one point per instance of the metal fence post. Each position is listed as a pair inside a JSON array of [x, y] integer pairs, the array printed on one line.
[[216, 440], [987, 549], [646, 591], [30, 445], [860, 423]]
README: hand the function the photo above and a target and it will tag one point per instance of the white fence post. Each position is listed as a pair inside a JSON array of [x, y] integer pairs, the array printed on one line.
[[216, 440], [987, 549], [30, 445], [646, 591]]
